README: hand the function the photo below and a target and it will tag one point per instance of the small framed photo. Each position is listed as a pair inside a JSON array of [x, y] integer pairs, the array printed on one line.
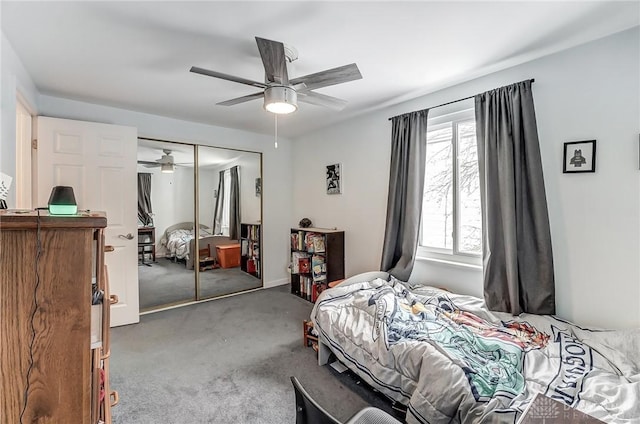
[[334, 181], [579, 156]]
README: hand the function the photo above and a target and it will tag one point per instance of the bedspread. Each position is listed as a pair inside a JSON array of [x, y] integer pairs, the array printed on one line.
[[450, 360], [178, 243]]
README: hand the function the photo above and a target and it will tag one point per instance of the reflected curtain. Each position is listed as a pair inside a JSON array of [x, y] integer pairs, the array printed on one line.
[[144, 199], [234, 204], [517, 256], [406, 190], [217, 212]]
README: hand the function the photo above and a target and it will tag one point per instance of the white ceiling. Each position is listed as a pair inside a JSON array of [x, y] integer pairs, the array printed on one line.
[[137, 55]]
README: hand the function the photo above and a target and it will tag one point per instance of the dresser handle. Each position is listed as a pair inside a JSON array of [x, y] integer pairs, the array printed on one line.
[[113, 299], [109, 248], [114, 398]]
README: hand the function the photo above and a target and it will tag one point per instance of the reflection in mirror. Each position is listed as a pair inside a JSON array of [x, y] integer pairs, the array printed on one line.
[[229, 214], [165, 223]]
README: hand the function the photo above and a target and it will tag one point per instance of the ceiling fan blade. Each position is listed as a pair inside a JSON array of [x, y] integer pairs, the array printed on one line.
[[274, 60], [227, 77], [241, 99], [329, 77], [148, 164], [322, 100]]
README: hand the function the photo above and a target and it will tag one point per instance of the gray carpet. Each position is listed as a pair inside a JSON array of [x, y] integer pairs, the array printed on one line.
[[166, 282], [225, 361]]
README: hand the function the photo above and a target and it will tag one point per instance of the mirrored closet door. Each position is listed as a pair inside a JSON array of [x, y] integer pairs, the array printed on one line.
[[230, 208], [166, 186], [221, 197]]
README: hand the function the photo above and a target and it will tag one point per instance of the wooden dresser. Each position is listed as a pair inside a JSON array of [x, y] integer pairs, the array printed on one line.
[[54, 319]]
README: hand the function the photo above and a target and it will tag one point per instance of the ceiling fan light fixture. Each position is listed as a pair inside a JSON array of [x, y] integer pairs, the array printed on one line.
[[166, 168], [281, 100]]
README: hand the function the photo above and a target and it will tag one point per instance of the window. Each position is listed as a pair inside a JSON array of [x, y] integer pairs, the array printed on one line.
[[451, 213]]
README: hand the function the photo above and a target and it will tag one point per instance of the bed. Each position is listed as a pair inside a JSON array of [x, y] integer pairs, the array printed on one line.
[[450, 360], [179, 241]]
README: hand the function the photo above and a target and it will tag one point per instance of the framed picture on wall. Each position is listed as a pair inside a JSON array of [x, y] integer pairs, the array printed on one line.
[[334, 181], [579, 156]]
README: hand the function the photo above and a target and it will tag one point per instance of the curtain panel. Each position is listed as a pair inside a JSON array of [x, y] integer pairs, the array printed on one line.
[[517, 256], [144, 199], [234, 204], [406, 190]]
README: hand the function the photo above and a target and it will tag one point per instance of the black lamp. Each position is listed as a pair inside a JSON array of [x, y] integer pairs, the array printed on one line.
[[62, 201]]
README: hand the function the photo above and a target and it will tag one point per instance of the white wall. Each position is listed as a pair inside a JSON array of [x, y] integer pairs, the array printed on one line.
[[14, 79], [249, 203], [276, 172], [249, 170], [208, 182], [588, 92]]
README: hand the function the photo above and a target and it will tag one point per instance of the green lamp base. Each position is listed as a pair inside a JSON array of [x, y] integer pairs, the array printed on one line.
[[63, 209]]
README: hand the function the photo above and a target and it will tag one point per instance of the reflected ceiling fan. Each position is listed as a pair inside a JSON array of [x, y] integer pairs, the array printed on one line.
[[166, 162], [280, 93]]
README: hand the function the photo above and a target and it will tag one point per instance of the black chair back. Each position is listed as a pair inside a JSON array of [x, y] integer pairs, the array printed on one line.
[[308, 411]]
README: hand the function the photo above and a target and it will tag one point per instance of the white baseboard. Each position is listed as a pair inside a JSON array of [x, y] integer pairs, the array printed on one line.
[[275, 283]]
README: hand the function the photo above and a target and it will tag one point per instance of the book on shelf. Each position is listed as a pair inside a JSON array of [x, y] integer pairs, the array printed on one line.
[[244, 247], [254, 250], [316, 289], [304, 265], [318, 243], [319, 268], [251, 231], [295, 261], [306, 288], [308, 242], [297, 241], [251, 266]]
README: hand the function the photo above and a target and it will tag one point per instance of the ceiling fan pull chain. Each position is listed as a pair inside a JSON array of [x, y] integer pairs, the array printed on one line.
[[276, 141]]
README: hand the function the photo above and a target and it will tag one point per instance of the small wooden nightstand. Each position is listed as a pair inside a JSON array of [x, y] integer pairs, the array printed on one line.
[[147, 243], [307, 337]]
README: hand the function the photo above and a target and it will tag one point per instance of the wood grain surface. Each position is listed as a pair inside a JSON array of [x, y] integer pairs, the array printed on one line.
[[60, 378]]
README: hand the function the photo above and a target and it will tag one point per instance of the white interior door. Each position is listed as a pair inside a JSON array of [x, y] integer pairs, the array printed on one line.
[[99, 162]]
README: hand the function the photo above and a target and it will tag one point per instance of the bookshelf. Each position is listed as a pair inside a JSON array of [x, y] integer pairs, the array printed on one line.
[[250, 248], [317, 258]]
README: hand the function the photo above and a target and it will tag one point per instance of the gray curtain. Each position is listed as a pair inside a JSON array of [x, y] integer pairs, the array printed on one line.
[[144, 199], [217, 212], [406, 190], [234, 205], [517, 256]]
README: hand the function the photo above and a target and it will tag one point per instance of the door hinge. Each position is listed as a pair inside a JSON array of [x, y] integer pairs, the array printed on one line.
[[34, 144]]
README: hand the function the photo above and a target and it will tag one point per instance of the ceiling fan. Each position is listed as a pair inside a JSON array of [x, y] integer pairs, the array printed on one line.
[[166, 162], [280, 93]]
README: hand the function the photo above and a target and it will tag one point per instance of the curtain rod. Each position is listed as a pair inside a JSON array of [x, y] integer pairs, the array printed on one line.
[[459, 100]]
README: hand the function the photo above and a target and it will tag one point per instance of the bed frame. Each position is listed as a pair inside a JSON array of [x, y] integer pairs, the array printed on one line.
[[211, 240]]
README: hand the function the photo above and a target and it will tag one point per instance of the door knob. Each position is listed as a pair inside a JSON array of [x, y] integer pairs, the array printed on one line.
[[128, 236]]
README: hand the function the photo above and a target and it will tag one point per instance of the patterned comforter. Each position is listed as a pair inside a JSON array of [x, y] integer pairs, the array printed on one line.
[[450, 360], [178, 243]]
